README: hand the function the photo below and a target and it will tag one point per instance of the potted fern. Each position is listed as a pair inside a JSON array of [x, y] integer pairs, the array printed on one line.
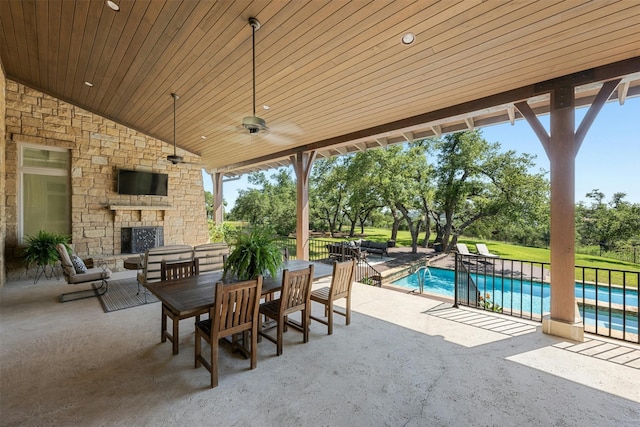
[[254, 252], [41, 250]]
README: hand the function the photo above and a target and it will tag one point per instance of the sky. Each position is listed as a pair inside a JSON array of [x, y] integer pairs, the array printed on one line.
[[608, 160]]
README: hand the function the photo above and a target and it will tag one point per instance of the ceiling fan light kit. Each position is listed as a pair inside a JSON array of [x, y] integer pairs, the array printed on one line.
[[254, 124]]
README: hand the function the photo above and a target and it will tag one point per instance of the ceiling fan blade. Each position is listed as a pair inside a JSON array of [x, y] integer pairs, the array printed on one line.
[[277, 139], [286, 128]]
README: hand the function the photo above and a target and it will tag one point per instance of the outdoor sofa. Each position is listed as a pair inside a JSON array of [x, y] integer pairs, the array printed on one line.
[[370, 247]]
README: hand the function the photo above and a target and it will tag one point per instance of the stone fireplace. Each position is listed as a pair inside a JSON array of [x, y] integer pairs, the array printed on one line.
[[136, 240]]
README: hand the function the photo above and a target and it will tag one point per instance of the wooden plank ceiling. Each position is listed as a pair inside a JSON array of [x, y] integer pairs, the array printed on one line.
[[332, 72]]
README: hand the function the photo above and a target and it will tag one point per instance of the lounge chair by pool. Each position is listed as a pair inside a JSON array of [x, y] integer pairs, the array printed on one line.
[[484, 251], [463, 249]]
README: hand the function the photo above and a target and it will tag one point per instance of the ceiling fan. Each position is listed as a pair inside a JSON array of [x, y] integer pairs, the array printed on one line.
[[257, 126], [254, 124], [174, 158]]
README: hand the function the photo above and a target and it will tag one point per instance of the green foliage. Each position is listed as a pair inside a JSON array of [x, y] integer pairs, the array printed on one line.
[[41, 248], [460, 181], [254, 252], [366, 280], [208, 203], [486, 303], [475, 181], [221, 232], [273, 205], [609, 225]]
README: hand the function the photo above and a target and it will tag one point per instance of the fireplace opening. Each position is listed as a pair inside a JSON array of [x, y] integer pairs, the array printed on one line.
[[135, 240]]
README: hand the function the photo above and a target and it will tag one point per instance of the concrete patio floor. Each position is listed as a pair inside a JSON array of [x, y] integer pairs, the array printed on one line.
[[404, 360]]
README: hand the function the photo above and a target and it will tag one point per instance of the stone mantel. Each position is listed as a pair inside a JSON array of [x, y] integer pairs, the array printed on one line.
[[147, 214], [140, 208]]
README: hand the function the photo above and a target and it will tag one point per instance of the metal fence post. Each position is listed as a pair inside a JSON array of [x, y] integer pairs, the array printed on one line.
[[455, 284]]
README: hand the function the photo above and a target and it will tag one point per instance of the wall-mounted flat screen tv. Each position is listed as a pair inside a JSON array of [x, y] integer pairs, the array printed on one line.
[[142, 183]]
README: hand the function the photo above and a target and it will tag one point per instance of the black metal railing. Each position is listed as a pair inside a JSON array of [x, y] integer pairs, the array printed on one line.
[[325, 250], [608, 302], [464, 289], [607, 299], [627, 253], [367, 274]]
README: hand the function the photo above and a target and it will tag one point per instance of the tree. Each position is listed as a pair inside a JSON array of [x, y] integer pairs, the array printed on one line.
[[208, 202], [476, 181], [250, 206], [403, 180], [607, 224], [327, 192], [361, 197]]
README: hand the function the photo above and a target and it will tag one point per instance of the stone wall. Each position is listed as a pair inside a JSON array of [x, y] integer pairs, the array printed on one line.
[[3, 143], [99, 147]]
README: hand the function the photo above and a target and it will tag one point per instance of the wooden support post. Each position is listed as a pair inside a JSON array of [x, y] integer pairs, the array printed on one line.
[[302, 163], [562, 147], [218, 207], [562, 161]]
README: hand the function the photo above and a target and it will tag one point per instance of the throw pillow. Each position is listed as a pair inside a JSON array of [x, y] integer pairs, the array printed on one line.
[[78, 264]]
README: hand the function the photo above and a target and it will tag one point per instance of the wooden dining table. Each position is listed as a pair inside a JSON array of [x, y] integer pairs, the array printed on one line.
[[196, 294]]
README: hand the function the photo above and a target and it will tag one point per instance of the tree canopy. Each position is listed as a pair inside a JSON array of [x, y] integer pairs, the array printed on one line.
[[608, 224], [455, 183], [273, 205]]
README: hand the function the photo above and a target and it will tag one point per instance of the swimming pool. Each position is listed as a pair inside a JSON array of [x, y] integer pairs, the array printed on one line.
[[515, 296]]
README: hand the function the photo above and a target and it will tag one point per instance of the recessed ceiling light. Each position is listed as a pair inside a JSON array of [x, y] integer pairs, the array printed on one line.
[[88, 84], [113, 5], [203, 137], [266, 107], [408, 38]]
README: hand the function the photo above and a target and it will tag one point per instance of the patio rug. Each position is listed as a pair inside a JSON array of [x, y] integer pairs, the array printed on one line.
[[122, 294]]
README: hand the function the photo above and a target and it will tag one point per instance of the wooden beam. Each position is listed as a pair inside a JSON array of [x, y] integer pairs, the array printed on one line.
[[603, 95], [382, 141], [535, 124], [361, 146], [623, 90], [408, 136], [469, 122], [511, 112], [437, 130]]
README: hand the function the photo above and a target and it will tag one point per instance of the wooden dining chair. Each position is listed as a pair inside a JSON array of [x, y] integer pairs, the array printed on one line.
[[294, 297], [235, 310], [172, 270], [341, 282]]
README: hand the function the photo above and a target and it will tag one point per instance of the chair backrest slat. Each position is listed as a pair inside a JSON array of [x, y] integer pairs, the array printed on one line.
[[236, 307], [342, 279], [178, 270], [296, 289]]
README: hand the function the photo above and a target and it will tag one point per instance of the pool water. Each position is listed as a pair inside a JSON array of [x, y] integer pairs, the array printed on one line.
[[515, 296]]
